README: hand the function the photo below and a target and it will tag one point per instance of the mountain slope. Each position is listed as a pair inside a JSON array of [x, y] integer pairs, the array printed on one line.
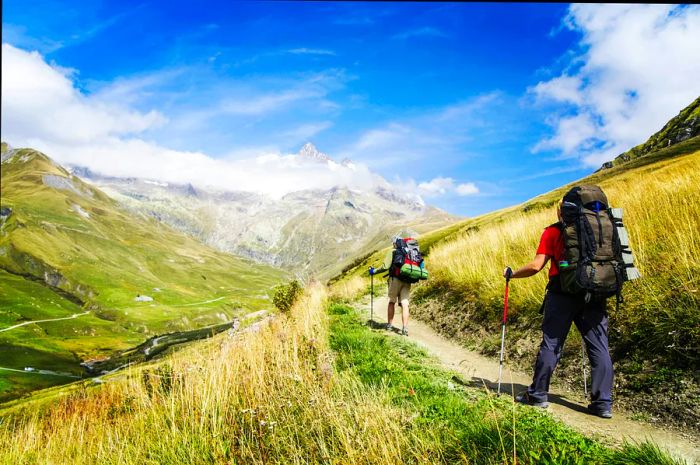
[[310, 232], [684, 126], [67, 248]]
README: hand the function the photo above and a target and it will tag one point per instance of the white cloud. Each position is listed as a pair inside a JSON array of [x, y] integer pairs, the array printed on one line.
[[311, 51], [572, 135], [444, 186], [135, 89], [382, 138], [638, 69], [437, 186], [439, 132], [266, 103], [420, 32], [307, 131], [271, 174], [229, 104], [467, 188], [41, 108], [38, 99], [562, 89], [468, 108]]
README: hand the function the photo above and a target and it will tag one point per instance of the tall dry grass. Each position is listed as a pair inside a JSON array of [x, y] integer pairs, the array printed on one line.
[[349, 289], [661, 205], [267, 396]]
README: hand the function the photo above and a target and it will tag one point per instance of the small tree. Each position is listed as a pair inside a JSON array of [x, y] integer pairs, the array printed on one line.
[[285, 295]]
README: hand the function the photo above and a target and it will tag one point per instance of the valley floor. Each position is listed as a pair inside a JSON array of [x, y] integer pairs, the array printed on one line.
[[569, 407]]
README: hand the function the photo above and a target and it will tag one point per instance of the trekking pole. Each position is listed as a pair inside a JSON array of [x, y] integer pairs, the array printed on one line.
[[503, 334], [583, 368], [371, 297]]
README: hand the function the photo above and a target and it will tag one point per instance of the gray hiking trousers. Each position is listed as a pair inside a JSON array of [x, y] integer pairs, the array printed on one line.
[[591, 319]]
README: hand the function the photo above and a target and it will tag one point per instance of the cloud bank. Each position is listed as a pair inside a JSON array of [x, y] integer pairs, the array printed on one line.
[[41, 108], [638, 67]]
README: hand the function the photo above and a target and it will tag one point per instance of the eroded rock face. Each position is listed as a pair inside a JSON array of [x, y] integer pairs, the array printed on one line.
[[63, 183], [691, 129], [53, 278], [7, 153]]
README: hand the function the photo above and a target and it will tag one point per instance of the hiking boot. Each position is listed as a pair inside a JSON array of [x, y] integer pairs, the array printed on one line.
[[389, 327], [607, 414], [524, 398], [404, 331]]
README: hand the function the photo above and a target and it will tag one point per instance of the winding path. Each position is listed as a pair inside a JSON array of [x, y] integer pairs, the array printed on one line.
[[200, 303], [75, 315], [36, 371], [568, 407]]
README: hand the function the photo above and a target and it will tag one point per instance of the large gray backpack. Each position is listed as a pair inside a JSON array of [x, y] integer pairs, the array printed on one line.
[[597, 254]]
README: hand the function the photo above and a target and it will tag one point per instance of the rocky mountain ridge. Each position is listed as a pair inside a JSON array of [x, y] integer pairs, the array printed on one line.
[[311, 231], [684, 126]]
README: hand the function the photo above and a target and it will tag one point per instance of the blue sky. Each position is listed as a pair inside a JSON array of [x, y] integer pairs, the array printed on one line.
[[474, 106]]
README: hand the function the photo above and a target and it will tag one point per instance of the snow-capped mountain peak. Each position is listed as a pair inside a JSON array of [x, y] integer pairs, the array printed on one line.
[[311, 153]]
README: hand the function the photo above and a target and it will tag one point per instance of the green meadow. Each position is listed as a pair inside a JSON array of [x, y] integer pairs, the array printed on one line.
[[66, 248]]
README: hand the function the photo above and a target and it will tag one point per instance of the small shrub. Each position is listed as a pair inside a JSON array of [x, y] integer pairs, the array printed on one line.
[[285, 295]]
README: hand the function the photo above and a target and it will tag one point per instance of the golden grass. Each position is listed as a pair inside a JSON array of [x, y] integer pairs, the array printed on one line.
[[349, 289], [661, 205], [661, 212], [264, 396]]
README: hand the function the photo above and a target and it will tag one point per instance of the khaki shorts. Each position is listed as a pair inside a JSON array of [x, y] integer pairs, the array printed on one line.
[[399, 290]]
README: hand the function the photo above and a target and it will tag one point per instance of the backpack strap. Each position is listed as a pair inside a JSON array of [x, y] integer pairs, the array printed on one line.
[[554, 283]]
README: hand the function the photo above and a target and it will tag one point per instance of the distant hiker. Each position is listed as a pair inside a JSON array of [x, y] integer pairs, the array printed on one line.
[[590, 259], [405, 265]]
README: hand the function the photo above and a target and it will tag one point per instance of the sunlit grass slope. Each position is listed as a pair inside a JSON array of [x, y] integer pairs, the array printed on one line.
[[303, 388], [67, 248], [656, 333], [267, 397]]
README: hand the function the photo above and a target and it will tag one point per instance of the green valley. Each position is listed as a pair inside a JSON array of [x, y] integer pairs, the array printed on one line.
[[67, 249]]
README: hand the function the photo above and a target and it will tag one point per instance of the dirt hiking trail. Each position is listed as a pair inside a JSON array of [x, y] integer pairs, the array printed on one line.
[[569, 407]]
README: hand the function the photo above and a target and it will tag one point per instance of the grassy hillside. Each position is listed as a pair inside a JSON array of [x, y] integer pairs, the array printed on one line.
[[313, 386], [685, 125], [656, 334], [66, 249]]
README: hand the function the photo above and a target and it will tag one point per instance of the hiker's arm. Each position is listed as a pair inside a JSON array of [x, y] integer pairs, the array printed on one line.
[[385, 265], [531, 268]]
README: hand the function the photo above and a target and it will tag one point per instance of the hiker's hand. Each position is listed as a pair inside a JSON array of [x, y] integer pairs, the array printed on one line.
[[507, 272], [371, 270]]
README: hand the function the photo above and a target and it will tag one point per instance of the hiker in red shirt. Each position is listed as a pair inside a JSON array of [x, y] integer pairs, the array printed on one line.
[[560, 310]]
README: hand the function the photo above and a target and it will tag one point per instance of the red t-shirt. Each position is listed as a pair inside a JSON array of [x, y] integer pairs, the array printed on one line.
[[552, 245]]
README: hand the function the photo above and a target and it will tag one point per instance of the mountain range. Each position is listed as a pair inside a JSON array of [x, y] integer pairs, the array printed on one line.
[[309, 231]]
